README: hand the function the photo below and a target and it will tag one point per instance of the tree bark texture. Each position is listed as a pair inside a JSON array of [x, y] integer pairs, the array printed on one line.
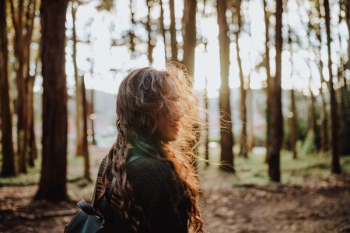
[[335, 164], [243, 108], [52, 185], [347, 18], [92, 94], [30, 112], [23, 22], [276, 124], [206, 107], [8, 155], [131, 32], [173, 31], [268, 78], [227, 140], [189, 22], [78, 125], [250, 118], [32, 148], [85, 129], [149, 31], [293, 124], [344, 92], [162, 28], [324, 144]]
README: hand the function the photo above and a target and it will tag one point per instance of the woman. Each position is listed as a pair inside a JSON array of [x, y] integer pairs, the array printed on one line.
[[158, 191]]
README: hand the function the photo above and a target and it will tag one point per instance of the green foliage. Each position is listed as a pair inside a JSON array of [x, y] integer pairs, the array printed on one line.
[[307, 170], [32, 177]]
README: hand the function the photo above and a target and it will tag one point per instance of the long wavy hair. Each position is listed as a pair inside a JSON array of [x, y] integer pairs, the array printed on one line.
[[140, 101]]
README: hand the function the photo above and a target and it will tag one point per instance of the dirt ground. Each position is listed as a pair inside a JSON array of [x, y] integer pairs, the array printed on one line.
[[324, 207]]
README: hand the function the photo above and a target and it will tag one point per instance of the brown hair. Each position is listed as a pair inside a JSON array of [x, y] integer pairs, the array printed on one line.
[[140, 100]]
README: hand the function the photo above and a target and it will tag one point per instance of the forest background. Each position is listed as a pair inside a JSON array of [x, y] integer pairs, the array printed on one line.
[[275, 72]]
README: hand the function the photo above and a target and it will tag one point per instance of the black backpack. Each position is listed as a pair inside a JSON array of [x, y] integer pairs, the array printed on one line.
[[88, 220]]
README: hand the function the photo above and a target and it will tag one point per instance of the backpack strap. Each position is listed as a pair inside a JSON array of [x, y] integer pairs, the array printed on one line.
[[110, 192], [114, 180], [100, 169]]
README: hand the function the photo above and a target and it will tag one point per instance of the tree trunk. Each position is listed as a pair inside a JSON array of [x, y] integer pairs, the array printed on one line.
[[226, 134], [189, 22], [268, 79], [78, 125], [30, 104], [131, 31], [276, 123], [293, 118], [92, 118], [149, 31], [250, 110], [347, 16], [324, 117], [53, 178], [8, 155], [243, 108], [345, 96], [32, 148], [344, 92], [173, 31], [293, 124], [206, 107], [33, 151], [162, 27], [23, 21], [335, 164], [85, 129]]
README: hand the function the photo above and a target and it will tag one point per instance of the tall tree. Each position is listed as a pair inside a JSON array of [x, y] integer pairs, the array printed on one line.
[[344, 92], [293, 118], [276, 123], [226, 134], [293, 121], [32, 148], [85, 129], [8, 155], [268, 76], [149, 31], [92, 116], [189, 22], [324, 116], [243, 108], [52, 185], [206, 107], [293, 125], [78, 124], [23, 14], [173, 31], [347, 20], [131, 31], [335, 164], [162, 28], [250, 118]]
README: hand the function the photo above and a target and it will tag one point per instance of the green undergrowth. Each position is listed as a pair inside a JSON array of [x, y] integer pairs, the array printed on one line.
[[306, 171], [33, 173], [31, 177]]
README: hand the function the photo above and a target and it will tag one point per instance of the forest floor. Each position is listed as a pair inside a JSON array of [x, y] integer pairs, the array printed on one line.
[[308, 199]]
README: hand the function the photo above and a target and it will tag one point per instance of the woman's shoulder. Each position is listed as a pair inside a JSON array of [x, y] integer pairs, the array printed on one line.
[[148, 170], [148, 165]]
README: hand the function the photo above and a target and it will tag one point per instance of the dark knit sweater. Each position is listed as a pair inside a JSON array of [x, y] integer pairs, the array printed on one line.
[[155, 190]]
